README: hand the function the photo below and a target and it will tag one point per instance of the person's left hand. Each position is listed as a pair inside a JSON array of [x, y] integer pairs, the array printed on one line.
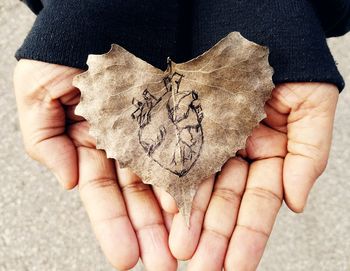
[[231, 224], [236, 216]]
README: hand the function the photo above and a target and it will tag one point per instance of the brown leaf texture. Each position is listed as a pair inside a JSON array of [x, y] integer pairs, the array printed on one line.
[[177, 127]]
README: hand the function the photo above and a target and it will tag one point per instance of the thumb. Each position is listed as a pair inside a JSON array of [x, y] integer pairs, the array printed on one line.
[[58, 154], [310, 126], [39, 87]]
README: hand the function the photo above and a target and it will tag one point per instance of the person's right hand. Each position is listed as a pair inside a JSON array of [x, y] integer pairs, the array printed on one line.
[[124, 212]]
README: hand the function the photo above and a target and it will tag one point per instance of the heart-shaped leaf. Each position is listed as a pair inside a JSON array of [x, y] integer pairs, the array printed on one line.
[[175, 128]]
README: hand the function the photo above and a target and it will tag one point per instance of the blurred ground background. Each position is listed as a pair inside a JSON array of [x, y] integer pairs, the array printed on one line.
[[43, 227]]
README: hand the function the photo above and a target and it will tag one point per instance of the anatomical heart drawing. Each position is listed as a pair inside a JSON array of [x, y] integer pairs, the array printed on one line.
[[175, 128], [180, 114]]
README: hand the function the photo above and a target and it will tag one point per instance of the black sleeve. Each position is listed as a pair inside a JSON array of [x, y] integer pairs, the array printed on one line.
[[34, 5], [334, 16], [66, 31]]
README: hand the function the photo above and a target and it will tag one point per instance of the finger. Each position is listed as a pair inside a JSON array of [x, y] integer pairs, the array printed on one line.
[[220, 217], [167, 202], [310, 127], [259, 207], [71, 98], [168, 220], [43, 130], [275, 119], [59, 155], [266, 143], [304, 163], [104, 204], [70, 114], [70, 101], [168, 206], [38, 87], [79, 133], [147, 220], [183, 240]]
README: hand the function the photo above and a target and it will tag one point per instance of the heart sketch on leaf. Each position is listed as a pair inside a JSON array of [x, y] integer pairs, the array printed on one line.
[[184, 121], [174, 128]]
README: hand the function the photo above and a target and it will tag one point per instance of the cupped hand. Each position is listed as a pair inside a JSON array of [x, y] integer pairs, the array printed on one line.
[[233, 216], [123, 211]]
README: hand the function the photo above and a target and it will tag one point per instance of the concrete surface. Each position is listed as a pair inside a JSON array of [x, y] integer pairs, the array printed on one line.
[[43, 227]]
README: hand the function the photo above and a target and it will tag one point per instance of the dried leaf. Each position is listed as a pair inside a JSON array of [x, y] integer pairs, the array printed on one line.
[[175, 128]]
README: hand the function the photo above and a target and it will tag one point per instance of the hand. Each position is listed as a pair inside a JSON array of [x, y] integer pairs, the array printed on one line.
[[124, 213], [230, 226]]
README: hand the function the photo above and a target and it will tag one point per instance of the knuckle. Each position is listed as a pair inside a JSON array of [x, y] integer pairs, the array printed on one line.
[[96, 183], [256, 244], [235, 171], [254, 230], [198, 207], [226, 194], [264, 194], [217, 232], [135, 187], [304, 149], [237, 161]]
